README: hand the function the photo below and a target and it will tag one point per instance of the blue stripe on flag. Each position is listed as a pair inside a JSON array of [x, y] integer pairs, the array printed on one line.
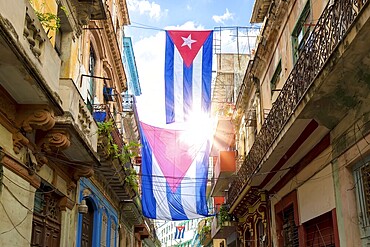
[[202, 174], [169, 79], [175, 204], [207, 74], [149, 202], [188, 90]]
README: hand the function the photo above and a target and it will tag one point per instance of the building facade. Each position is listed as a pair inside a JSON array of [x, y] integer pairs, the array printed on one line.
[[167, 233], [301, 129], [67, 145]]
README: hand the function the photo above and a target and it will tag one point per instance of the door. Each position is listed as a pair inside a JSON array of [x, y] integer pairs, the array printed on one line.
[[87, 226]]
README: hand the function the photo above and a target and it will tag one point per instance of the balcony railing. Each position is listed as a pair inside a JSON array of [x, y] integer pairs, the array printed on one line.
[[102, 113], [330, 29]]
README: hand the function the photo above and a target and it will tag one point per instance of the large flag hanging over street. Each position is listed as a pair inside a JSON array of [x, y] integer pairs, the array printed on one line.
[[174, 160], [188, 73], [174, 174]]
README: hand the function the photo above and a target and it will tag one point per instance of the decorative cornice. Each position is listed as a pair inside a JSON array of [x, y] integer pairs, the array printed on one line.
[[84, 117], [18, 168], [124, 12], [65, 203], [115, 51]]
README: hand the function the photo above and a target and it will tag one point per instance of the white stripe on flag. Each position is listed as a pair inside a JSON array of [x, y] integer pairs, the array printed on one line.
[[159, 191], [178, 86], [189, 186], [197, 81]]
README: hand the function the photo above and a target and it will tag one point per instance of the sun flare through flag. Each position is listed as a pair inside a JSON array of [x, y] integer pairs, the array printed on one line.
[[175, 155], [174, 174]]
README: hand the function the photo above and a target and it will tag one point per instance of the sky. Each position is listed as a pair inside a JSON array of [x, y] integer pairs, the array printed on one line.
[[149, 19]]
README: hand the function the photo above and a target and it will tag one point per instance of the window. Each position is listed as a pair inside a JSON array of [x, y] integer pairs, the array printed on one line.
[[320, 231], [91, 87], [287, 221], [362, 181], [290, 230], [46, 218], [301, 31], [275, 78]]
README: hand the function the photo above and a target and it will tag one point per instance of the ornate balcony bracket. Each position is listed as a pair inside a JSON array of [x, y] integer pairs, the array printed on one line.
[[87, 172], [31, 117], [54, 140], [89, 10]]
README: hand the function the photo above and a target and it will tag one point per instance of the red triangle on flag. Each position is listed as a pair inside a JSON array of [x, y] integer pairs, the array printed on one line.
[[173, 155], [188, 43]]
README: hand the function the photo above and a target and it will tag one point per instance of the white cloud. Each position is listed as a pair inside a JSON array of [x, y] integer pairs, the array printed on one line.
[[144, 7], [221, 18]]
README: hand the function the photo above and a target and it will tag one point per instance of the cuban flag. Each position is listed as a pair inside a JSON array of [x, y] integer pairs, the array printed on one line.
[[188, 73], [180, 232], [174, 173]]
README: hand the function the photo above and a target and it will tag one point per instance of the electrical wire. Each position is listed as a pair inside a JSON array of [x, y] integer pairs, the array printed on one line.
[[14, 225]]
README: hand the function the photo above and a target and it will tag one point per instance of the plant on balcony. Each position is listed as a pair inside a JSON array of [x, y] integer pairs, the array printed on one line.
[[223, 215], [49, 21], [105, 128], [105, 137], [131, 178], [205, 230]]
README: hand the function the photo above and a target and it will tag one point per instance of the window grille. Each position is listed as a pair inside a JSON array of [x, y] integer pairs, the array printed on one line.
[[290, 230], [365, 173], [362, 183]]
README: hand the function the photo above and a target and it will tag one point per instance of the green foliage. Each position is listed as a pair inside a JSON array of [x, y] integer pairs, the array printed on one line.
[[131, 178], [129, 150], [49, 21], [205, 230], [105, 128], [224, 215]]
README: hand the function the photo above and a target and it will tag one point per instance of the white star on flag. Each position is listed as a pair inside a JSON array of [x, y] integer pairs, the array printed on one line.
[[188, 41]]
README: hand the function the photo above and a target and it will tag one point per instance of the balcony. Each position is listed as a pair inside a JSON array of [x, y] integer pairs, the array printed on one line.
[[90, 10], [131, 211], [222, 226], [225, 167], [204, 230], [317, 95], [30, 66], [102, 113]]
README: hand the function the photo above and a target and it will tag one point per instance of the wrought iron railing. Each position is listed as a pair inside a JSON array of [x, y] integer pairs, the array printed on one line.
[[330, 29]]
